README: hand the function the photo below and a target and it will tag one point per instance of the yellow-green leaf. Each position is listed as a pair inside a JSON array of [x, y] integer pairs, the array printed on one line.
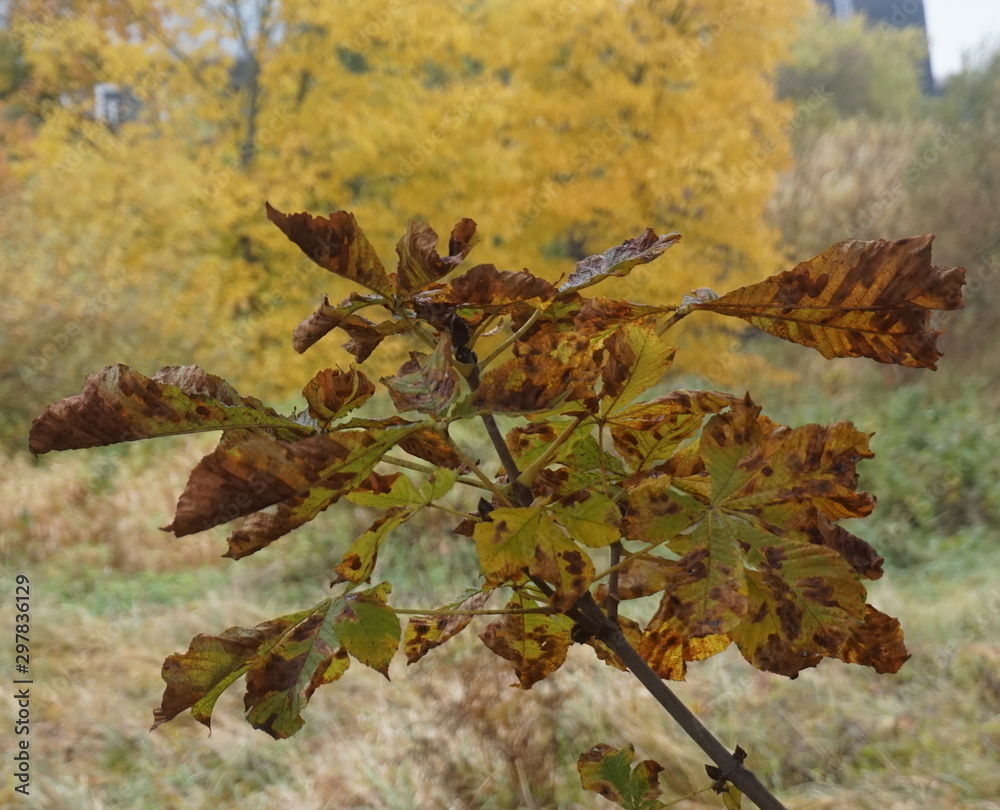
[[608, 772], [594, 521], [360, 558], [506, 542], [637, 360], [534, 643], [368, 627]]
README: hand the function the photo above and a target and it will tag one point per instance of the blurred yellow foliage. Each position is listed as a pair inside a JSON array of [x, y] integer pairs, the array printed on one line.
[[562, 127]]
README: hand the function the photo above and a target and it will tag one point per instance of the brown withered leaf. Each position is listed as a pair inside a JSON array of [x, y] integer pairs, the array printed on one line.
[[877, 643], [327, 318], [855, 299], [332, 393], [618, 261], [424, 633], [430, 445], [534, 643], [428, 384], [336, 244], [419, 262], [366, 335], [122, 405], [546, 370], [263, 527], [483, 287], [238, 480]]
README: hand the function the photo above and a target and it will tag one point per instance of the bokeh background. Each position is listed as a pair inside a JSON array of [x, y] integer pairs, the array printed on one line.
[[140, 141]]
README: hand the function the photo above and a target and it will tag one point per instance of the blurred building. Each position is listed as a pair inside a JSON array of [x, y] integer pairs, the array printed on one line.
[[895, 13]]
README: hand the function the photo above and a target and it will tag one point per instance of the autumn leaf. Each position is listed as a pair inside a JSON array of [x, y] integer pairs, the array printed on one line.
[[855, 299], [546, 370], [563, 563], [484, 288], [649, 432], [285, 660], [237, 480], [534, 643], [424, 633], [608, 772], [336, 244], [618, 261], [593, 520], [605, 314], [760, 560], [326, 318], [359, 560], [430, 445], [428, 384], [122, 405], [637, 359], [506, 543], [419, 262], [366, 335], [368, 627], [641, 574], [332, 393], [263, 527]]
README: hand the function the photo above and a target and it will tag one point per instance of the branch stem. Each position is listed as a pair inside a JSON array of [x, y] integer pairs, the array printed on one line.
[[468, 462], [528, 476], [732, 769], [490, 612], [493, 355], [429, 469]]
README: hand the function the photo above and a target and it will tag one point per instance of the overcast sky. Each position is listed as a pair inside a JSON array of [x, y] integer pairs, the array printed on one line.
[[959, 26]]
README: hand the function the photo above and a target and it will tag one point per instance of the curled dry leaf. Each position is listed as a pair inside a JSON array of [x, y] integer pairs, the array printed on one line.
[[428, 384], [419, 262], [332, 393], [327, 318], [336, 244], [235, 481], [618, 261]]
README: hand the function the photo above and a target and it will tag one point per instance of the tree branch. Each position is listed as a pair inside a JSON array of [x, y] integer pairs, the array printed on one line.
[[733, 770]]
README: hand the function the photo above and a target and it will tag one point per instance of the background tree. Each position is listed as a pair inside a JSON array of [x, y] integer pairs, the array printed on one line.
[[564, 123]]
